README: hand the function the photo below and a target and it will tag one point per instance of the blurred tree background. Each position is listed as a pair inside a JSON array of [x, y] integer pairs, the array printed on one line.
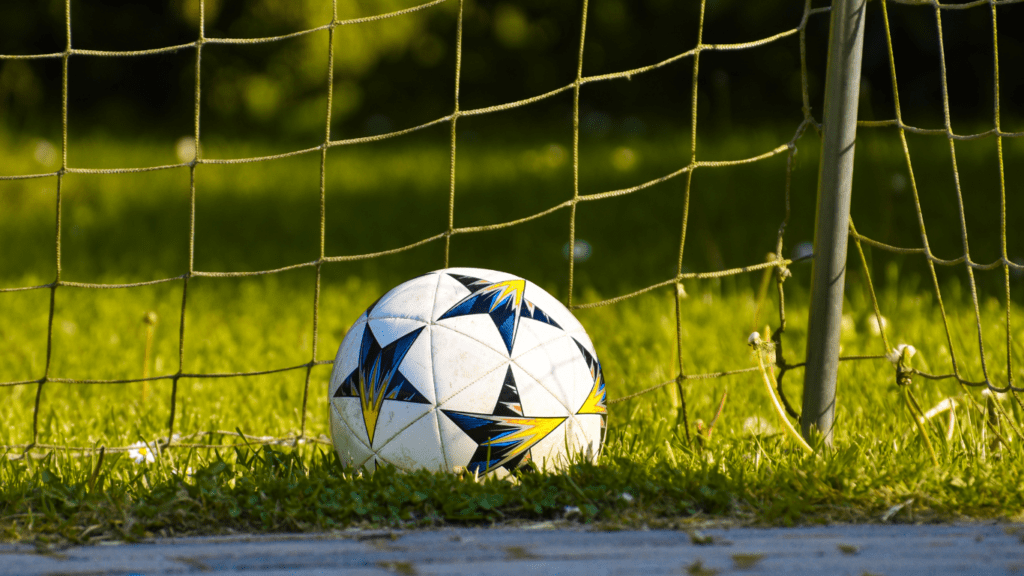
[[399, 72]]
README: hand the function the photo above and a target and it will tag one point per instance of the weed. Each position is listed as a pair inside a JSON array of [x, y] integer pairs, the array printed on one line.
[[518, 553], [399, 567], [746, 561], [698, 569]]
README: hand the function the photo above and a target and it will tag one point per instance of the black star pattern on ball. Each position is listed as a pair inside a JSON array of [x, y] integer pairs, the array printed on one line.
[[505, 302], [377, 378], [505, 436]]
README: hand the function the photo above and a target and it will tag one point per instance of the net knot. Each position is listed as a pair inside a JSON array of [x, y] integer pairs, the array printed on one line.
[[781, 265]]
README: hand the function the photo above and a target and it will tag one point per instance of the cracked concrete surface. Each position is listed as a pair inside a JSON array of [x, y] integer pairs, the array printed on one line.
[[975, 549]]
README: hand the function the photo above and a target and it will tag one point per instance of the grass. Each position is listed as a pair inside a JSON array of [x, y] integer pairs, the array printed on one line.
[[127, 228]]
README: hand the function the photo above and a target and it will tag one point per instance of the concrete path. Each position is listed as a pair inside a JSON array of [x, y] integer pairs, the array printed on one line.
[[972, 549]]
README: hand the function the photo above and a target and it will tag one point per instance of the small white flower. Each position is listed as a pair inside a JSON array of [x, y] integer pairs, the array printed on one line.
[[46, 153], [580, 252], [997, 395], [140, 452], [803, 250], [185, 148], [627, 497], [758, 426], [877, 324], [754, 339], [897, 353], [624, 159], [899, 182], [848, 324]]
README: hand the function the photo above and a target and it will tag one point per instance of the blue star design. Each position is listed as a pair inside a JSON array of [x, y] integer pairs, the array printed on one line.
[[504, 437], [504, 302], [596, 402], [377, 378]]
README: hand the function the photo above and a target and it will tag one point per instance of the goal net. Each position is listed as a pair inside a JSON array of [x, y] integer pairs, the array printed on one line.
[[691, 179]]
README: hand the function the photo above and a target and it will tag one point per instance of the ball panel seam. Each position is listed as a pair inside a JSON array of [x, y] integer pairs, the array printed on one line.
[[543, 387], [353, 435], [342, 419], [433, 376]]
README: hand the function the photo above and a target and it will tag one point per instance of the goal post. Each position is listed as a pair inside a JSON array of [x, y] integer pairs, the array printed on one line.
[[835, 185]]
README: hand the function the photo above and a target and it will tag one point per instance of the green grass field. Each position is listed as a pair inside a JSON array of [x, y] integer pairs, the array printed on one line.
[[132, 228]]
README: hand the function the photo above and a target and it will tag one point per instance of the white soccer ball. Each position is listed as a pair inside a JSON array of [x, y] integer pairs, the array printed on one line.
[[467, 369]]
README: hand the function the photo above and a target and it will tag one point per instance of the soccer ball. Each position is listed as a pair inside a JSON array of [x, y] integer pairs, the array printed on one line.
[[467, 369]]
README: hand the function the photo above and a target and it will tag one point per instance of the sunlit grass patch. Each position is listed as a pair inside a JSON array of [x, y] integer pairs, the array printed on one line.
[[239, 349], [736, 474]]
